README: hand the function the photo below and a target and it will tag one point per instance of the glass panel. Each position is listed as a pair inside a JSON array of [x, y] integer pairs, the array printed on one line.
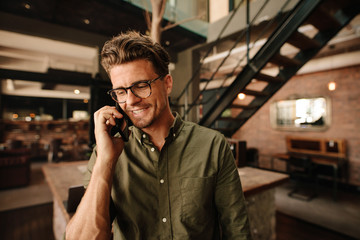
[[177, 11]]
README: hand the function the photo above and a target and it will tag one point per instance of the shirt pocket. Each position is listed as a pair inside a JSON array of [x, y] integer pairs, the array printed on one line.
[[197, 200]]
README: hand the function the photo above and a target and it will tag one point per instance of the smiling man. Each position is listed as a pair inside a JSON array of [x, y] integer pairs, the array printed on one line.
[[173, 179]]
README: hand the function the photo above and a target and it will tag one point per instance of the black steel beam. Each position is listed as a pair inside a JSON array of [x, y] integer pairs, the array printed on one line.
[[53, 77], [271, 47], [343, 17]]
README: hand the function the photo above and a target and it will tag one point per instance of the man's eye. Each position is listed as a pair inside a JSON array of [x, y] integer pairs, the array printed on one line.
[[120, 92], [141, 85]]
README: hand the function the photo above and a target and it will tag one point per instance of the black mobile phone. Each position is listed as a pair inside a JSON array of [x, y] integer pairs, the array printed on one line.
[[119, 125]]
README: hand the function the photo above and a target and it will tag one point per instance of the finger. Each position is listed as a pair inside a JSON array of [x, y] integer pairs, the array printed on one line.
[[111, 121], [106, 114]]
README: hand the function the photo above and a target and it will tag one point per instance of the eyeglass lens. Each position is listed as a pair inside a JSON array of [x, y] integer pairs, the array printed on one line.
[[140, 90]]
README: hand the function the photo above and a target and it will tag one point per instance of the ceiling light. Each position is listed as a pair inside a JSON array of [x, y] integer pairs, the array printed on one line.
[[241, 96], [86, 21], [27, 6], [77, 91], [10, 86]]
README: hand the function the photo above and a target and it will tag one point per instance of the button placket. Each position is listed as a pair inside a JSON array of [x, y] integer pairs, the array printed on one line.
[[164, 210]]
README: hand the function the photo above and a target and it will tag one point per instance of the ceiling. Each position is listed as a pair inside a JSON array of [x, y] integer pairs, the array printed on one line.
[[37, 35], [41, 35], [102, 17]]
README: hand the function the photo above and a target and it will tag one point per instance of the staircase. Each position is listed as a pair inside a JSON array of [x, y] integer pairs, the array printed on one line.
[[328, 17]]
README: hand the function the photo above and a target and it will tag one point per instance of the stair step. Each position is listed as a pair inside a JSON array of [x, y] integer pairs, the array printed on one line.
[[323, 20], [302, 42], [284, 61], [254, 93], [328, 16], [267, 78], [246, 107], [229, 119]]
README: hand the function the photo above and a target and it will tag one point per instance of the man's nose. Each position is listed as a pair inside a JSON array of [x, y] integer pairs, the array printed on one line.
[[132, 98]]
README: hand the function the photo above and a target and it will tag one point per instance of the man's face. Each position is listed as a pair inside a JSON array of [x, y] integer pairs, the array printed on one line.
[[142, 112]]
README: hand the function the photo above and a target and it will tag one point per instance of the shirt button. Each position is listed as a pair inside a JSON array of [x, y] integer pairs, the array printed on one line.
[[152, 149], [144, 136], [174, 134], [164, 220], [162, 180]]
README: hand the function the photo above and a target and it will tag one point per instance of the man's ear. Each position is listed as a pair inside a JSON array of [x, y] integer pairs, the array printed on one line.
[[168, 83]]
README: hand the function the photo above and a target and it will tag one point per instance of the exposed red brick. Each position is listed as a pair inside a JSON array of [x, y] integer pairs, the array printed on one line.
[[345, 106]]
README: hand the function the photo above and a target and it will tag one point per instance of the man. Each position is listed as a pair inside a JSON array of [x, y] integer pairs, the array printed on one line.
[[172, 179]]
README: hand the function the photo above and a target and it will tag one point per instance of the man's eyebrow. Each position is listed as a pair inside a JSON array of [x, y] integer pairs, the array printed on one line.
[[139, 81]]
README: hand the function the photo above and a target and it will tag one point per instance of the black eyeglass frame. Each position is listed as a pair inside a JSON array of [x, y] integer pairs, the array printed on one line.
[[148, 82]]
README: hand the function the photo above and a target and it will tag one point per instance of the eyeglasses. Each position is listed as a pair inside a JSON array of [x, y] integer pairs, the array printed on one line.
[[141, 89]]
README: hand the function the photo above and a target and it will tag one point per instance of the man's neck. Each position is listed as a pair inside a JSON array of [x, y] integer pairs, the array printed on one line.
[[159, 130]]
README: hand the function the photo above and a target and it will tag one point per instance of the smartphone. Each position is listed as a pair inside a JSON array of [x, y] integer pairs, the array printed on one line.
[[119, 125]]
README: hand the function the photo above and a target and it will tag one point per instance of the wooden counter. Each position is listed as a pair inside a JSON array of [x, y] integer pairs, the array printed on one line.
[[258, 186], [254, 180], [61, 176], [259, 191]]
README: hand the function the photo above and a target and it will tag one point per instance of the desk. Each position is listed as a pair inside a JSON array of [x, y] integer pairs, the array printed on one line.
[[334, 163], [258, 186], [61, 176]]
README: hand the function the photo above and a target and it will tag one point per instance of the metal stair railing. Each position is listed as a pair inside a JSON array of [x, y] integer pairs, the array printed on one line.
[[305, 11], [261, 34], [197, 71], [263, 56], [188, 107]]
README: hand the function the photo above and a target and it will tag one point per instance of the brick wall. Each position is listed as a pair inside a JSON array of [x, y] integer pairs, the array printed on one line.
[[345, 117]]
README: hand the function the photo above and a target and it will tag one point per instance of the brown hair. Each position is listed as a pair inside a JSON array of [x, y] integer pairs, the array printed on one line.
[[130, 46]]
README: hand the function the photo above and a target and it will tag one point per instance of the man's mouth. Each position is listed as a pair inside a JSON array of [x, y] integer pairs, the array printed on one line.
[[138, 111]]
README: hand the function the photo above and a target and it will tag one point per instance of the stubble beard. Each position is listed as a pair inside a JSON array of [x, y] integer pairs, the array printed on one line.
[[143, 123]]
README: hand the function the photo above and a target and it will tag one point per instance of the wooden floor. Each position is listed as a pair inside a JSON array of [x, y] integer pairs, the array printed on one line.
[[290, 228], [35, 223], [29, 223]]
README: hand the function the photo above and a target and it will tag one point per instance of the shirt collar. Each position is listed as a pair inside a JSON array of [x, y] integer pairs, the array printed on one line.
[[174, 131]]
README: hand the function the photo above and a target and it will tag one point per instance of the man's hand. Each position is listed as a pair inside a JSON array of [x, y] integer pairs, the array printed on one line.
[[109, 148]]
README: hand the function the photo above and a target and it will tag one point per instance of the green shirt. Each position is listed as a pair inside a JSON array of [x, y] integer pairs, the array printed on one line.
[[189, 190]]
